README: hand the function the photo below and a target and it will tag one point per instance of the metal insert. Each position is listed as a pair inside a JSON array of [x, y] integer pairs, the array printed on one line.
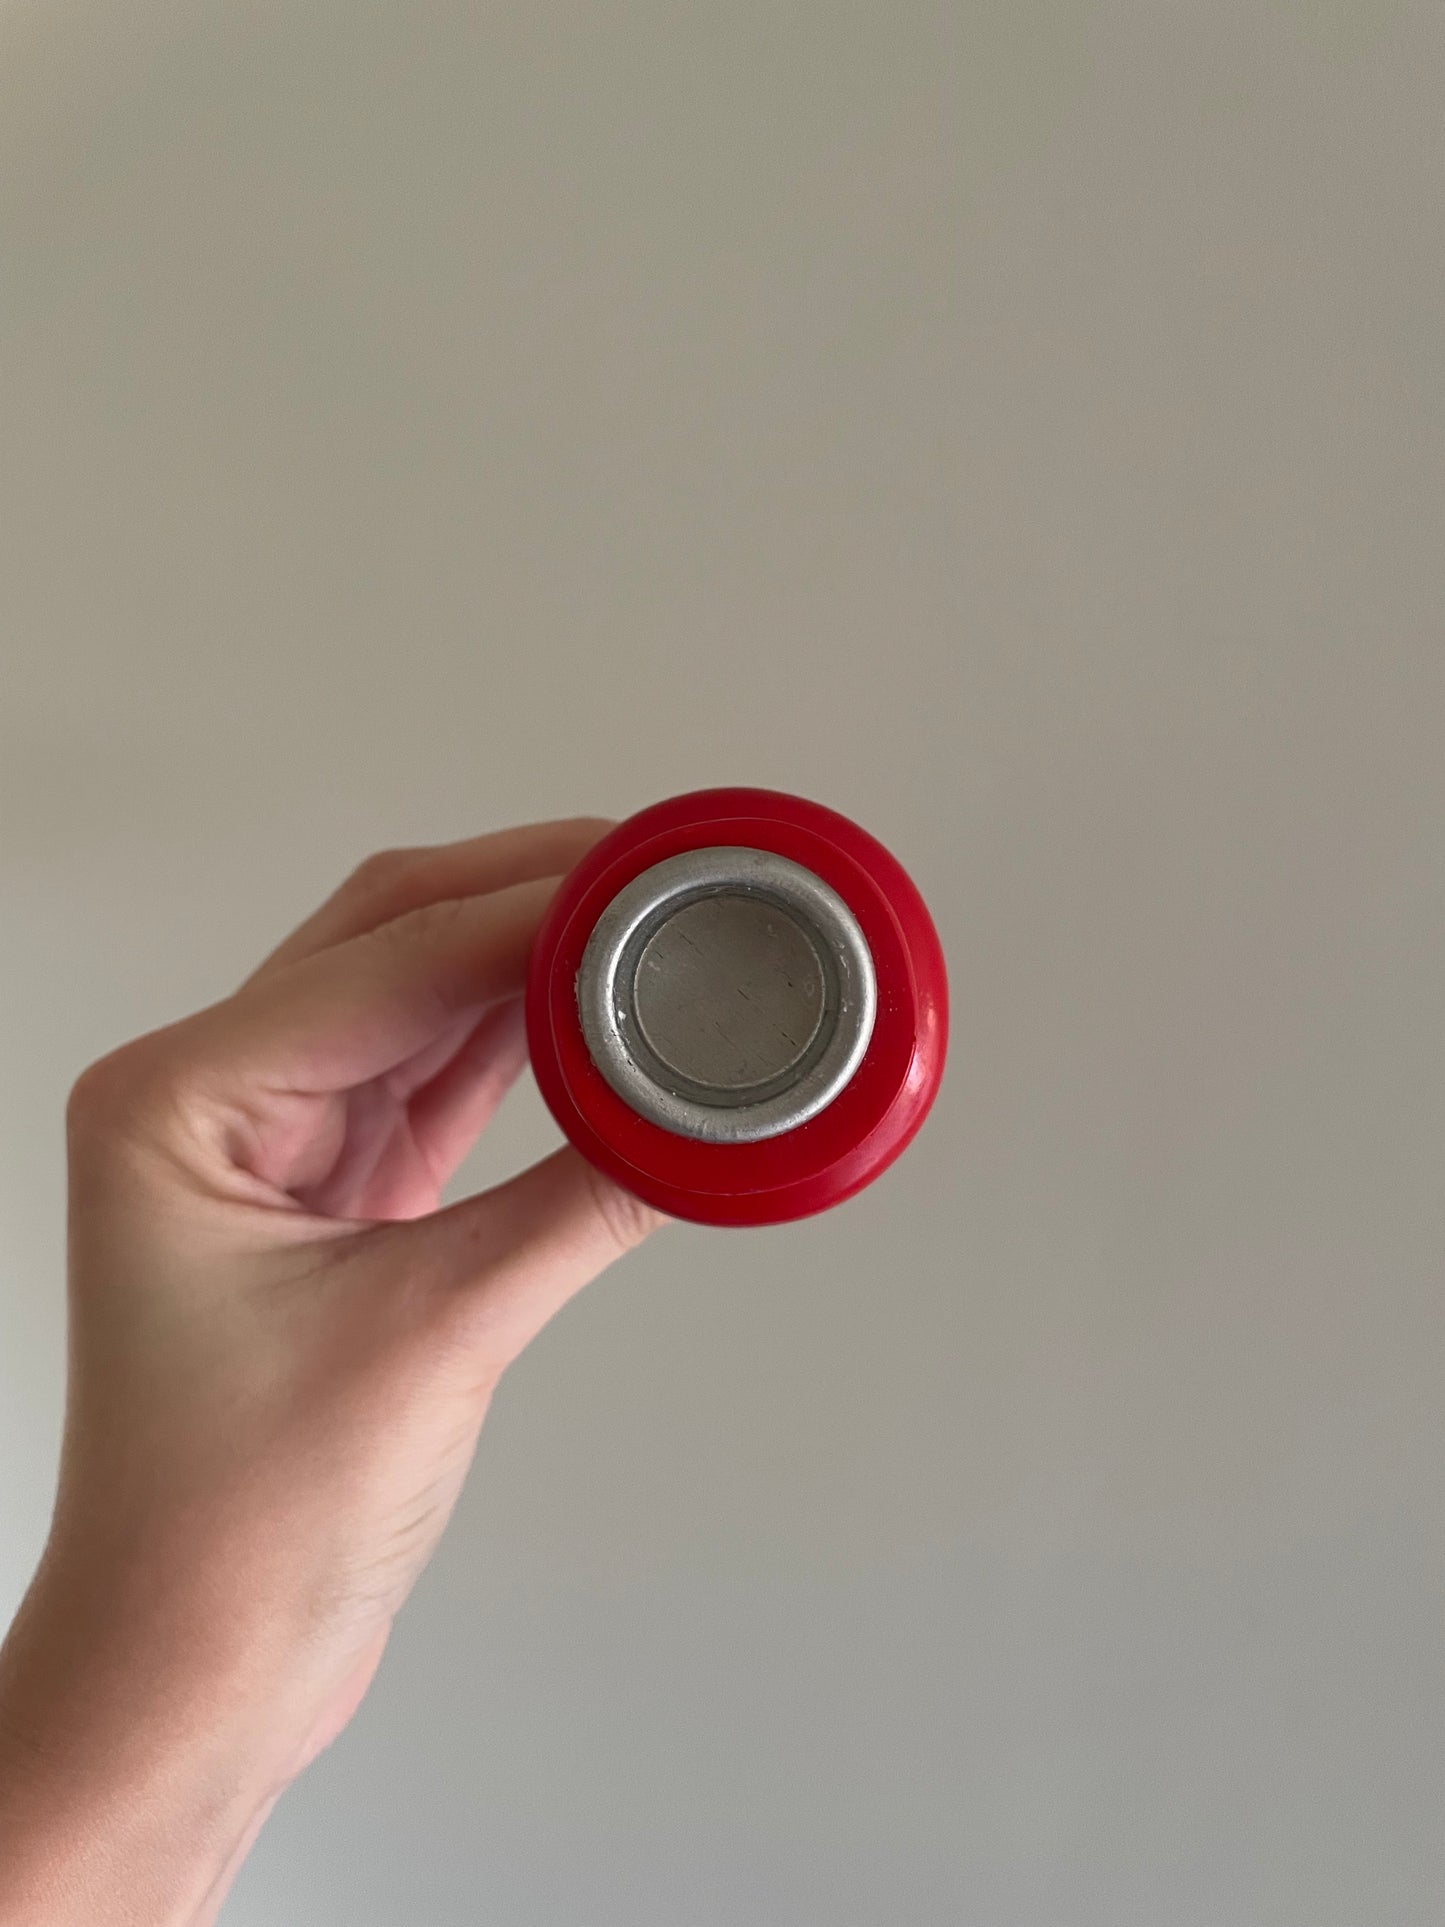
[[727, 994]]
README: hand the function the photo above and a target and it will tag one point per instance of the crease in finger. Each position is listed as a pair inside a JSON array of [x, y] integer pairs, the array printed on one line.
[[470, 867], [358, 1011]]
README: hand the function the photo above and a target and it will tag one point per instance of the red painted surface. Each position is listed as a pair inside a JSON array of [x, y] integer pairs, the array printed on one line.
[[871, 1120]]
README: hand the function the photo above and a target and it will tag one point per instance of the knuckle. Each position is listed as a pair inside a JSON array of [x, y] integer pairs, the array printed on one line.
[[379, 871], [444, 916], [114, 1089], [428, 922]]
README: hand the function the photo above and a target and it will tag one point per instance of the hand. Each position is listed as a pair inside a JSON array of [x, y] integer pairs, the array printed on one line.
[[281, 1353]]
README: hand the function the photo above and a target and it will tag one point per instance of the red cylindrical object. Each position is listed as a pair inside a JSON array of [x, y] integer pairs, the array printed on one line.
[[861, 1130]]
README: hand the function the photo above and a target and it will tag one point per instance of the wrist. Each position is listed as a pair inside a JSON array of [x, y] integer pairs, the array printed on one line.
[[133, 1770]]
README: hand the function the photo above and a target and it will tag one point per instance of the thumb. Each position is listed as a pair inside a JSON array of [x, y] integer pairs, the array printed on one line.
[[508, 1259]]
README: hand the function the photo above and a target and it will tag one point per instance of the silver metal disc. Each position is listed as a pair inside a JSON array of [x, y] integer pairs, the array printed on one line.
[[727, 994]]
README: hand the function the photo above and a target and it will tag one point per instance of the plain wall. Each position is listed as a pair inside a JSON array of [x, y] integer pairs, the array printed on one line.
[[1020, 424]]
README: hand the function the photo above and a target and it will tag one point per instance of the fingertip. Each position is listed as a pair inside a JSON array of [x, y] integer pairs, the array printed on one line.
[[627, 1220], [566, 1201]]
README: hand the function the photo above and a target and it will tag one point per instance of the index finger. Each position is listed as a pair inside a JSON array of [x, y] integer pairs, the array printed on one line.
[[355, 1010], [392, 883]]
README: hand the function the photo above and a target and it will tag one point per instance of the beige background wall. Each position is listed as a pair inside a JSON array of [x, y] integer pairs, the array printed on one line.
[[1020, 423]]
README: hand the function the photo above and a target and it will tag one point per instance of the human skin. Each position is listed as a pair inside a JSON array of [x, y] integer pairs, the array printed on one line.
[[282, 1348]]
